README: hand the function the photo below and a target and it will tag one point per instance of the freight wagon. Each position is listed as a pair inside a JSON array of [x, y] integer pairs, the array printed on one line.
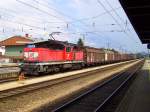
[[93, 56]]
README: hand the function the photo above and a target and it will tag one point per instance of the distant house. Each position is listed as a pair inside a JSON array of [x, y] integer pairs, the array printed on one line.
[[14, 47]]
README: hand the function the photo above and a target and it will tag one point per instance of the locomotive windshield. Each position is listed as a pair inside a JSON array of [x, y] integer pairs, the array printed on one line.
[[68, 49], [31, 46]]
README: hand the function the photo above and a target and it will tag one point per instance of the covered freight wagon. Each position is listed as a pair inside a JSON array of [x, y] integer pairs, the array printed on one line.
[[93, 55], [109, 55], [117, 56]]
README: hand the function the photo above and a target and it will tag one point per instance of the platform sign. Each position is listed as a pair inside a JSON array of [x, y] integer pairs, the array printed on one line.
[[31, 46]]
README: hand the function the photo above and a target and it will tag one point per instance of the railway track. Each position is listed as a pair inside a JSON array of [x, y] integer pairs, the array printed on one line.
[[8, 74], [5, 80], [36, 86], [98, 97]]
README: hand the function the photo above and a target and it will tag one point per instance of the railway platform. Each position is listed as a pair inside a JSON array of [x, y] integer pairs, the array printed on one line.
[[137, 98]]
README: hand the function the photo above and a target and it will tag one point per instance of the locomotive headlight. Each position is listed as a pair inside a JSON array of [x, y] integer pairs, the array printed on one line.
[[31, 54], [26, 54], [36, 54]]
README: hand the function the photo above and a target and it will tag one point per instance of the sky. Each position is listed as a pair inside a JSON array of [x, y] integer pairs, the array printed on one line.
[[100, 23]]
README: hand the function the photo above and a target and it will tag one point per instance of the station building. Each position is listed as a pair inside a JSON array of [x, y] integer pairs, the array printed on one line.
[[14, 47]]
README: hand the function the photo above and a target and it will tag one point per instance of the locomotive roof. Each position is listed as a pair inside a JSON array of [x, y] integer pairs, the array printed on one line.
[[63, 43]]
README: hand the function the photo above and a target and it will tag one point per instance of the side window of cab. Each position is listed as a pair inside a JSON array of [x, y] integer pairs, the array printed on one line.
[[68, 49]]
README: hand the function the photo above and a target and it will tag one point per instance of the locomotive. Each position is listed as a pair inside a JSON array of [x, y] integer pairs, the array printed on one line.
[[53, 55]]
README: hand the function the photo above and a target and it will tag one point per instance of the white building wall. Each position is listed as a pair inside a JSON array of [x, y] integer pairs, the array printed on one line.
[[106, 56], [2, 50]]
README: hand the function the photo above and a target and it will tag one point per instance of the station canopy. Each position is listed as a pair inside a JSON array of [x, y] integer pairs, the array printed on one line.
[[138, 12]]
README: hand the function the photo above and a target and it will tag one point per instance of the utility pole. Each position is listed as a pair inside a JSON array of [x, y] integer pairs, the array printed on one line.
[[120, 48], [148, 53], [83, 39], [108, 45]]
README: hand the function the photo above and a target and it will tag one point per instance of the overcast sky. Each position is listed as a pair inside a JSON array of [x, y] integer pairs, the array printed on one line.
[[102, 23]]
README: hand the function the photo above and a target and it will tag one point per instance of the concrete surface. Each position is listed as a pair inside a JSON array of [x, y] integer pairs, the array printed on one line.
[[137, 98]]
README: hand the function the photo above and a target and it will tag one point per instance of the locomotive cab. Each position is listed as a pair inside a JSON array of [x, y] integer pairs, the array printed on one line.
[[47, 55], [45, 51], [68, 53]]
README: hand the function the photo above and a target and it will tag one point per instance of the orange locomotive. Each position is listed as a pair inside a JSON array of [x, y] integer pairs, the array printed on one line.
[[51, 55]]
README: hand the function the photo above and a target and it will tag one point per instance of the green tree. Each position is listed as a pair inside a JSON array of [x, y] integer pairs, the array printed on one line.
[[80, 42]]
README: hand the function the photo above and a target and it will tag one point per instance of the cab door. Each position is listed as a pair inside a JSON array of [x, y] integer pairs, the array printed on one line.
[[68, 54]]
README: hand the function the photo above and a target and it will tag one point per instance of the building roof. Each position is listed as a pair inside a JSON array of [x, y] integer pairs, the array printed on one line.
[[138, 11], [15, 40]]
